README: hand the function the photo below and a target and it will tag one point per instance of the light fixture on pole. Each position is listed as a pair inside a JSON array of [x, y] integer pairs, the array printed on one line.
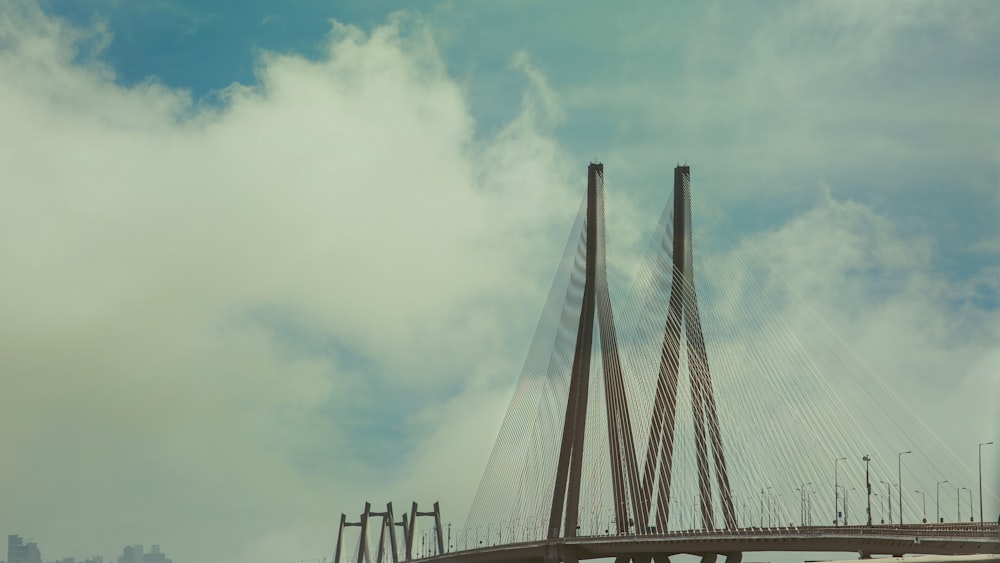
[[923, 497], [868, 485], [809, 507], [802, 502], [981, 480], [802, 507], [762, 509], [770, 511], [958, 504], [888, 494], [837, 508], [900, 468], [937, 500], [972, 511], [836, 492]]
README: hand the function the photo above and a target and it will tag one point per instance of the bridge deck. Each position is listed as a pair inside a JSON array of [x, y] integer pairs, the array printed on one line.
[[927, 539]]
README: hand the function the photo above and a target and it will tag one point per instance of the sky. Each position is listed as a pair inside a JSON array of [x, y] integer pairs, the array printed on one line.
[[262, 262]]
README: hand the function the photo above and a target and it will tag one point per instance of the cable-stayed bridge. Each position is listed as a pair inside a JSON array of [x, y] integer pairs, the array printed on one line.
[[709, 415]]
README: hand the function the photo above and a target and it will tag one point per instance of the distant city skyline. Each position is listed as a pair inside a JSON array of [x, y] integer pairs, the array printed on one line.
[[21, 551]]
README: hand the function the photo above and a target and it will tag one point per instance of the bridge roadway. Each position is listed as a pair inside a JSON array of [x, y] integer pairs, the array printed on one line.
[[929, 539]]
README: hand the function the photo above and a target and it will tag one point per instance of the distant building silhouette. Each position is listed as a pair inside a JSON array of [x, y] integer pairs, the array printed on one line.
[[20, 552], [131, 554], [155, 556], [134, 554], [94, 559]]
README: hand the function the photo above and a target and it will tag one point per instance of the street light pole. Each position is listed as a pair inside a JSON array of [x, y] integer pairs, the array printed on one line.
[[844, 513], [762, 509], [972, 511], [836, 492], [888, 493], [809, 507], [802, 502], [900, 469], [769, 509], [938, 500], [923, 496], [802, 508], [981, 480], [868, 484]]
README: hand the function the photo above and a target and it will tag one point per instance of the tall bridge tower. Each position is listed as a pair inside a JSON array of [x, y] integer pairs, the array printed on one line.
[[683, 317], [633, 495], [620, 438]]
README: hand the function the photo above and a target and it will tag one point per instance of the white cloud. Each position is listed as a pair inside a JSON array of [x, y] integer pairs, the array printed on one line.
[[210, 318], [196, 301], [774, 100], [927, 338]]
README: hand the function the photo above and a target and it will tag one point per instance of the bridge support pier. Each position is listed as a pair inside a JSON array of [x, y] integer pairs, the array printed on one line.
[[644, 558], [411, 526], [732, 557], [555, 553], [363, 555]]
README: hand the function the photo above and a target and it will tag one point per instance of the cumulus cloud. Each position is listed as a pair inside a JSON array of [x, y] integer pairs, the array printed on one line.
[[215, 318], [898, 98], [901, 345], [222, 326]]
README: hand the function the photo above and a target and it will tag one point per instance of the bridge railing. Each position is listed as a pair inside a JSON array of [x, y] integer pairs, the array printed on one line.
[[971, 530]]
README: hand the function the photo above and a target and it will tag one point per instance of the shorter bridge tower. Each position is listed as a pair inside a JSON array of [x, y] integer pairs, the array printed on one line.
[[387, 531]]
